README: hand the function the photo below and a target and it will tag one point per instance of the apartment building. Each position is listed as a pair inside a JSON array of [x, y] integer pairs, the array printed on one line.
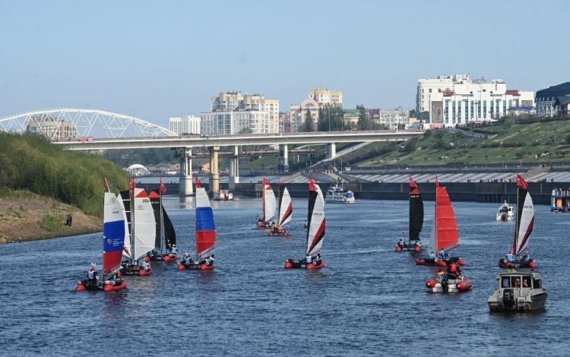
[[457, 100], [234, 122], [236, 101], [326, 96], [189, 124]]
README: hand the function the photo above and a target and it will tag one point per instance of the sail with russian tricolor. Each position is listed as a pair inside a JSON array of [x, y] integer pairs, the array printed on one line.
[[205, 224]]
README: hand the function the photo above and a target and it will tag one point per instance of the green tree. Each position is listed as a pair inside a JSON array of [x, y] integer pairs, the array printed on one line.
[[331, 118], [364, 122], [309, 124]]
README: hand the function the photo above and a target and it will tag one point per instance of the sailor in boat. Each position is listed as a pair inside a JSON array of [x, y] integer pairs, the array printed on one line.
[[172, 251], [443, 255], [145, 265], [187, 260], [317, 260], [510, 257], [431, 256], [274, 227], [209, 260], [115, 279], [401, 243], [93, 275]]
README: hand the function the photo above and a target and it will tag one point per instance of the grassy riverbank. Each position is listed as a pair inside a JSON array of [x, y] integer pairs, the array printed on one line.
[[25, 216]]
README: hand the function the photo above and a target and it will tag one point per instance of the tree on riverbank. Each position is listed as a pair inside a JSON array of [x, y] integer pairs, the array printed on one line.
[[31, 162]]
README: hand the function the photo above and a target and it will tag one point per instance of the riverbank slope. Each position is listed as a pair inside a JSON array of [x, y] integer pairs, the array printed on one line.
[[25, 216]]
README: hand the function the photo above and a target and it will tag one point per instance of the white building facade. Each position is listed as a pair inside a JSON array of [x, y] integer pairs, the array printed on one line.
[[236, 101], [189, 124], [234, 122], [456, 100]]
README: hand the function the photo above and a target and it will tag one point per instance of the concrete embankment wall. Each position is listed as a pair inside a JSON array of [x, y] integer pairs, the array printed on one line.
[[495, 192]]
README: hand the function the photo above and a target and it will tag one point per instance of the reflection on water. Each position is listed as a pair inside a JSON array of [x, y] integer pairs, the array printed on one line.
[[368, 300]]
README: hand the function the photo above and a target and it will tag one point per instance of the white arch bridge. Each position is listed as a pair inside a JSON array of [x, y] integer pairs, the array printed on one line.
[[68, 124]]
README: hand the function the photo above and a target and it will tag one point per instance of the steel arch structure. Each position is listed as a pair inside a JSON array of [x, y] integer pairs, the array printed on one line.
[[87, 122]]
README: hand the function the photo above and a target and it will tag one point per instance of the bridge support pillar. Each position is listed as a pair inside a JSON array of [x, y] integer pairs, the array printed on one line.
[[234, 169], [283, 158], [214, 172], [331, 154], [185, 188]]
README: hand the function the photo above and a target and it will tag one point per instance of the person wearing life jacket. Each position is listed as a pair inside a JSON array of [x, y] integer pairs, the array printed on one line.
[[431, 256], [308, 259], [145, 265], [92, 275], [209, 260], [187, 260], [511, 258], [317, 259], [401, 243], [115, 279], [441, 275]]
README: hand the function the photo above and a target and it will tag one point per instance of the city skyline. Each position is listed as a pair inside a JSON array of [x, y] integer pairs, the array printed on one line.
[[160, 60]]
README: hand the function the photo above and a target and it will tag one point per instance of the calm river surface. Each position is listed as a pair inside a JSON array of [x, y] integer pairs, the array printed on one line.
[[368, 301]]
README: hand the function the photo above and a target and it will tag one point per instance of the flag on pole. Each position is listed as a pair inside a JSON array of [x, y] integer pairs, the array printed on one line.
[[198, 183], [162, 187]]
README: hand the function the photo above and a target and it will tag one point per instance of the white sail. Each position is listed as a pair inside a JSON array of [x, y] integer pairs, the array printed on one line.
[[286, 208], [269, 202], [316, 231], [145, 224], [525, 225], [127, 246]]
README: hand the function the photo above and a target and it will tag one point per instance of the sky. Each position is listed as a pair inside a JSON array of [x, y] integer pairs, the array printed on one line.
[[160, 59]]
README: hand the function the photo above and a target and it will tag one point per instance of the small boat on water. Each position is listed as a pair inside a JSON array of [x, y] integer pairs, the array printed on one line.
[[316, 232], [505, 213], [205, 234], [518, 255], [285, 214], [113, 241], [165, 240], [142, 232], [269, 205], [224, 195], [444, 234], [559, 200], [416, 221], [518, 291], [339, 194], [449, 283]]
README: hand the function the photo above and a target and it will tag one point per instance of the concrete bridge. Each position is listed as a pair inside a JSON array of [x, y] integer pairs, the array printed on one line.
[[212, 144]]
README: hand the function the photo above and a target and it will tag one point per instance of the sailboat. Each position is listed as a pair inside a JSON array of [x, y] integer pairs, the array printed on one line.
[[315, 233], [269, 205], [444, 233], [518, 253], [205, 234], [113, 240], [165, 239], [416, 220], [142, 233], [284, 215]]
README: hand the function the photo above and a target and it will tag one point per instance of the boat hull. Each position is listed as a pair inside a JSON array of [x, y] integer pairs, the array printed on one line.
[[532, 302], [503, 263], [195, 266], [439, 262], [86, 286], [301, 264], [459, 285], [283, 233], [414, 247]]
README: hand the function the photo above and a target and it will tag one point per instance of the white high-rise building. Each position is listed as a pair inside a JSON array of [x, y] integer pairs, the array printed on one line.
[[456, 100], [231, 101], [234, 122], [189, 124]]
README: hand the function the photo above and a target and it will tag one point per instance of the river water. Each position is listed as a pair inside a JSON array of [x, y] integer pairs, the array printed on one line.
[[368, 301]]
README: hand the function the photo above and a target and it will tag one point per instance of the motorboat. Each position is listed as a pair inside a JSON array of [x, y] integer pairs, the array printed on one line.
[[339, 194], [449, 283], [518, 291], [505, 213], [224, 195]]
